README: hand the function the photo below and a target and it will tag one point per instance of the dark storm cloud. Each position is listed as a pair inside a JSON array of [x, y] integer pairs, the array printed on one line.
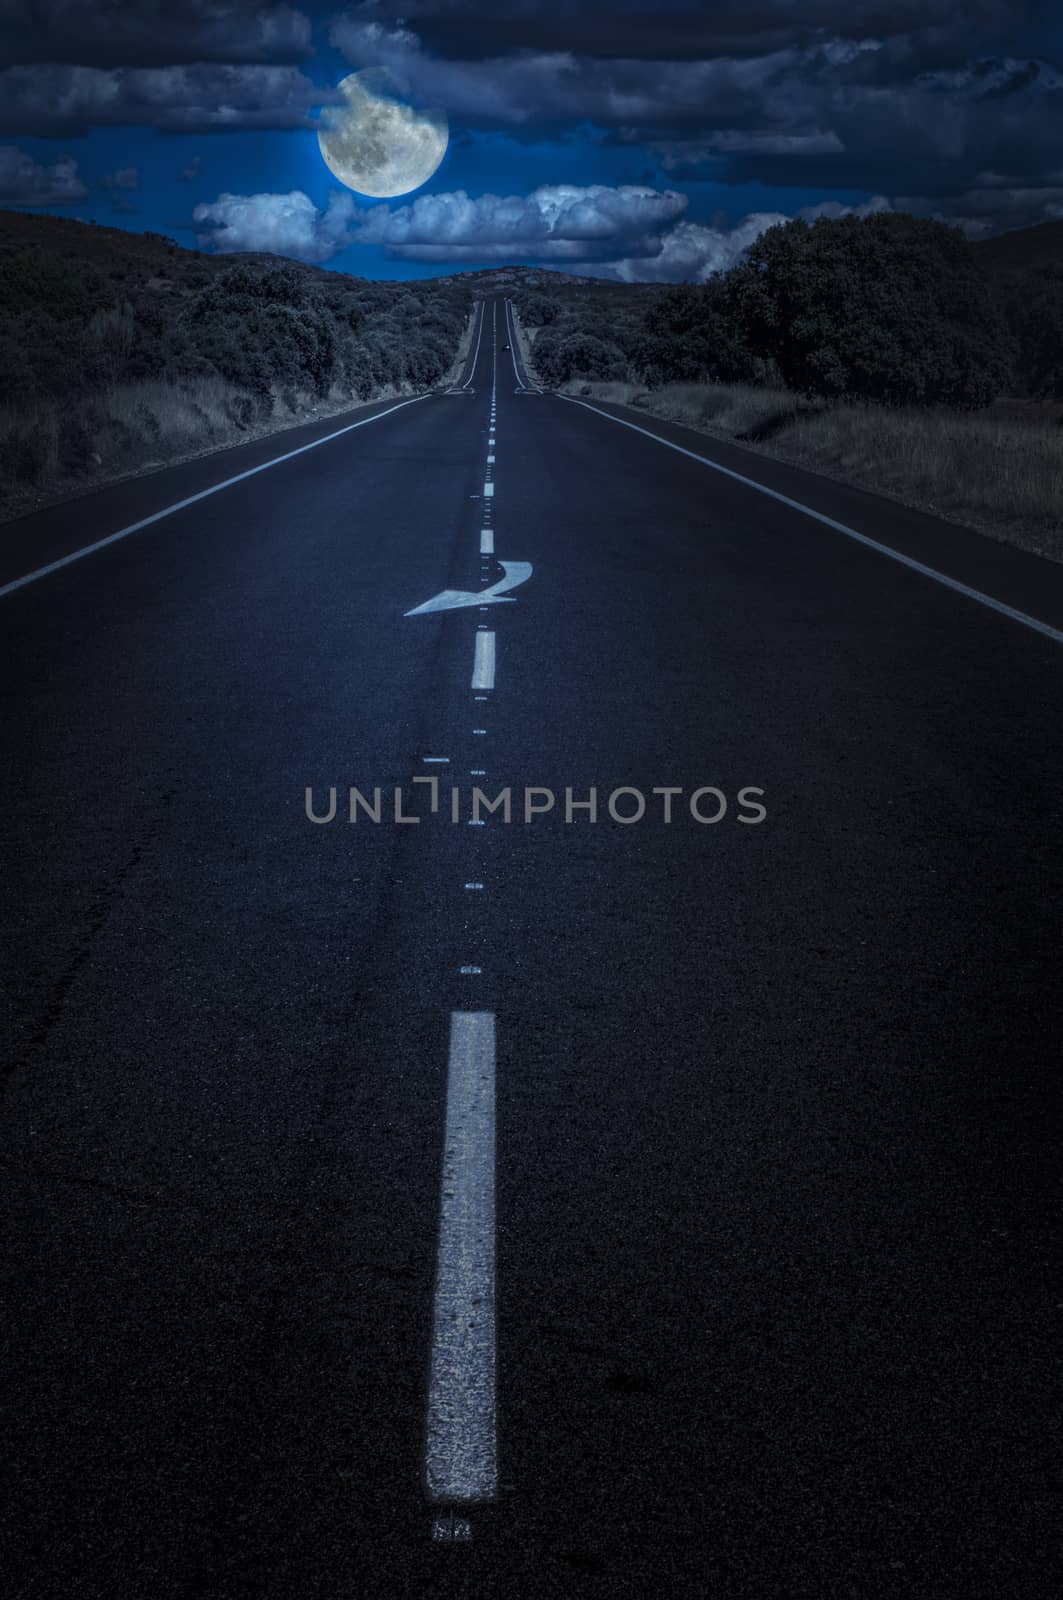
[[814, 95], [949, 132], [142, 33], [61, 101], [958, 106], [556, 90], [637, 29]]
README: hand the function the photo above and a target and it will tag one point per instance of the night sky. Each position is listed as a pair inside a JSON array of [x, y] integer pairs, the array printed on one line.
[[611, 138]]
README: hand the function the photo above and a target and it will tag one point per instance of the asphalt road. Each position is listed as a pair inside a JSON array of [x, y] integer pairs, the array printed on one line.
[[761, 1292]]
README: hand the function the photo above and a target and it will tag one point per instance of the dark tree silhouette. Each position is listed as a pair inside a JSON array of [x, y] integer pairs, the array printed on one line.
[[887, 308]]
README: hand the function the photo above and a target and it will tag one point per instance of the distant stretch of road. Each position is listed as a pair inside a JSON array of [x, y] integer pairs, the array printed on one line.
[[531, 1023]]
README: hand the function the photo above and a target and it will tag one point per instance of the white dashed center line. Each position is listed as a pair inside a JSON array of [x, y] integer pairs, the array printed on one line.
[[483, 667], [461, 1458]]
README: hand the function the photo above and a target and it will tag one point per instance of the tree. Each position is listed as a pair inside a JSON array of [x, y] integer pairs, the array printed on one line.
[[886, 308], [695, 336], [1035, 313], [538, 310], [559, 357]]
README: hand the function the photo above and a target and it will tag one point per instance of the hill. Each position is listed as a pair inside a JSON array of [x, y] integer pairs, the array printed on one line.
[[121, 350], [1022, 250]]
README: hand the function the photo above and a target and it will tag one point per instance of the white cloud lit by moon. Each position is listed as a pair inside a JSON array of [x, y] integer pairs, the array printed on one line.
[[376, 143]]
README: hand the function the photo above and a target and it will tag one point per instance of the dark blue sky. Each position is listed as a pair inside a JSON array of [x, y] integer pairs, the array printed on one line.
[[613, 138]]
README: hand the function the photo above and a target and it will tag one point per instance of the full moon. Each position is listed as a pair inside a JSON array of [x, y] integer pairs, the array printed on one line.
[[376, 143]]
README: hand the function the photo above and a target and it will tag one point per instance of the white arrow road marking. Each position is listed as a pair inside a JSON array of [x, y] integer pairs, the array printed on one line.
[[515, 573]]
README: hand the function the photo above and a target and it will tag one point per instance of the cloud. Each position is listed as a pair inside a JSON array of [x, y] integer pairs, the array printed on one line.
[[991, 209], [24, 182], [124, 178], [692, 157], [554, 220], [692, 252], [821, 94], [118, 184], [152, 32], [631, 232], [58, 100], [672, 30], [834, 209], [280, 224], [557, 87]]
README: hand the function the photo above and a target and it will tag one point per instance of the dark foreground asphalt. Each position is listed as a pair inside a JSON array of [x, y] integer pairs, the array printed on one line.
[[777, 1174]]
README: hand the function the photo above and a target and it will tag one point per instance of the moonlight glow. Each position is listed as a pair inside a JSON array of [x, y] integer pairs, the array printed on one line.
[[377, 144]]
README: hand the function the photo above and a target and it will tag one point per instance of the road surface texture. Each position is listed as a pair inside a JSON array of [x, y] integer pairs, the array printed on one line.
[[550, 1208]]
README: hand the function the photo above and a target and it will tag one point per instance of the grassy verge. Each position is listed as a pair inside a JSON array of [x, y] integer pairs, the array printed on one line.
[[464, 346], [999, 471], [524, 347], [51, 451]]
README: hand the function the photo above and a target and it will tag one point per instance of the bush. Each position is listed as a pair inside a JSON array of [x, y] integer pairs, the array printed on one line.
[[48, 284], [538, 311], [560, 356]]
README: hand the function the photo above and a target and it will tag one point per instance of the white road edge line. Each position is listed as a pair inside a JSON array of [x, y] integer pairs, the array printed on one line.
[[204, 494], [483, 666], [461, 1449], [511, 316], [512, 342], [839, 527]]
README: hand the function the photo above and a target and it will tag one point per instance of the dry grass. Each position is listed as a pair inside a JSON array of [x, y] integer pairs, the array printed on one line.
[[1000, 471], [49, 451], [464, 346], [525, 340]]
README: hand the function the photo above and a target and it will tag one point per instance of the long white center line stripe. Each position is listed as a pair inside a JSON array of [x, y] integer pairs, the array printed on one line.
[[483, 667], [1027, 621], [192, 499], [461, 1451]]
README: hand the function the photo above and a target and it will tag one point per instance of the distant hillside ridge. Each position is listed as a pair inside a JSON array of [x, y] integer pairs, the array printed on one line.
[[1023, 249]]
